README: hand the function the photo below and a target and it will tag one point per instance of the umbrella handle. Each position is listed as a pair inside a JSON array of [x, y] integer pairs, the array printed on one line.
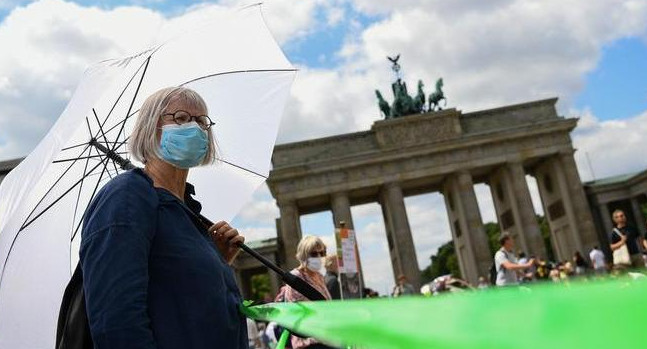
[[292, 280]]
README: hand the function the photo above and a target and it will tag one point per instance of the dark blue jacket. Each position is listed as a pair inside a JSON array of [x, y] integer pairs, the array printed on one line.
[[151, 278]]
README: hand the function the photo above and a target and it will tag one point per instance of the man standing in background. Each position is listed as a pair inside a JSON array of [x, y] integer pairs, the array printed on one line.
[[623, 234], [332, 276], [506, 264]]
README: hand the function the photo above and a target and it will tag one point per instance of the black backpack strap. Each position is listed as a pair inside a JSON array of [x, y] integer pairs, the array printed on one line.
[[73, 329]]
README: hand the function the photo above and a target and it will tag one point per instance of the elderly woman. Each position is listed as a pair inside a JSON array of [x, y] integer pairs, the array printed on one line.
[[310, 253], [152, 277]]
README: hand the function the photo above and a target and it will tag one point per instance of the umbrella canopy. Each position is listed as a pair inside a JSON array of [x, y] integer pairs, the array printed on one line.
[[233, 62]]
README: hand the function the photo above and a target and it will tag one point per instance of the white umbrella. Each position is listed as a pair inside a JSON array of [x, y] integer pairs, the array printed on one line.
[[233, 62]]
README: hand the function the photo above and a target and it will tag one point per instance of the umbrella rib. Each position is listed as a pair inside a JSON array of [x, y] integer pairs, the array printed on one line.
[[55, 183], [86, 157], [104, 138], [239, 72], [114, 105], [119, 123], [108, 130], [67, 191], [25, 225], [132, 102], [15, 238], [242, 168], [78, 197], [74, 146], [91, 198], [90, 133]]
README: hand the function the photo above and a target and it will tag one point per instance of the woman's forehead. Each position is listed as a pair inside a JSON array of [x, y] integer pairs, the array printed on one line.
[[192, 106]]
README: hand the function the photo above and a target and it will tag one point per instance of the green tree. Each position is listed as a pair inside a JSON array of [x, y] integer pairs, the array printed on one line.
[[260, 286], [443, 262]]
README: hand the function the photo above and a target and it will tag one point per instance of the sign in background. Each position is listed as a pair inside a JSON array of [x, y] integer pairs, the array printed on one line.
[[348, 261]]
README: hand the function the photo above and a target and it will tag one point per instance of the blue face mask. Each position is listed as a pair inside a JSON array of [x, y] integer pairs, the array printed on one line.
[[184, 146]]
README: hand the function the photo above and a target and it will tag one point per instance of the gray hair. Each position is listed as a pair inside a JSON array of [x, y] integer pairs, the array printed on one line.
[[144, 143], [308, 244]]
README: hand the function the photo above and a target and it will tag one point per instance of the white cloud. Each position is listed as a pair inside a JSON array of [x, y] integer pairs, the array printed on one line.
[[256, 233], [49, 43], [261, 210], [614, 147], [489, 53]]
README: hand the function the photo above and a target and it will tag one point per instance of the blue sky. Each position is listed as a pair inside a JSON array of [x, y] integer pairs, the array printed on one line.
[[593, 56], [617, 89]]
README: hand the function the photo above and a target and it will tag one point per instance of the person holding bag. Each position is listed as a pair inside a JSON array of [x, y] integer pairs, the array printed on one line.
[[624, 244]]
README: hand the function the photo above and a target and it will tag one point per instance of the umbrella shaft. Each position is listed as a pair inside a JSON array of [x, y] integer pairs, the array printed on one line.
[[125, 164], [304, 288]]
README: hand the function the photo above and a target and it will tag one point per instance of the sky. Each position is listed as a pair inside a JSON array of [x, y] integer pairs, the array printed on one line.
[[590, 54]]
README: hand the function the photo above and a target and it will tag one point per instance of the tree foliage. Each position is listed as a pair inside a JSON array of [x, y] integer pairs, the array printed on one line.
[[260, 286]]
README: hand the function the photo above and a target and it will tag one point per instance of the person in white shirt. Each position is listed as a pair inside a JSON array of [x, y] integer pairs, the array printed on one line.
[[597, 258], [252, 335], [506, 263]]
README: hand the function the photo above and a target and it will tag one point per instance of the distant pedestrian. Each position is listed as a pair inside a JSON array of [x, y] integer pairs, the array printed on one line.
[[310, 252], [580, 264], [332, 276], [597, 258], [483, 284], [253, 336], [505, 263], [403, 287], [624, 235]]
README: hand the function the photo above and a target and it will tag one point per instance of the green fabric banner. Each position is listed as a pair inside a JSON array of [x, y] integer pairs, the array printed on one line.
[[601, 314]]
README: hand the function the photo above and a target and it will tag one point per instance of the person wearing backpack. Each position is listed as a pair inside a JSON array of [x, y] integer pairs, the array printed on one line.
[[505, 263]]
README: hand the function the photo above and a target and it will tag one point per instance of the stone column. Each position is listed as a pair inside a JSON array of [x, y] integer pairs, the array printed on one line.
[[472, 225], [525, 211], [606, 219], [457, 233], [401, 247], [340, 205], [290, 232], [570, 239], [275, 283], [585, 230], [638, 214]]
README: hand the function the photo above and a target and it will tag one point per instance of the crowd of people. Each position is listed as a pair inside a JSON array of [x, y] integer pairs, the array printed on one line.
[[509, 268], [512, 267], [625, 243]]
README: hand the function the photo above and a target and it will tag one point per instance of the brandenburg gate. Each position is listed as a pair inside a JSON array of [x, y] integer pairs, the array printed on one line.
[[448, 152]]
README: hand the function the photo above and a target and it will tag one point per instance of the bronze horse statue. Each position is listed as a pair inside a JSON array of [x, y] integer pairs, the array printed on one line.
[[383, 104], [437, 96], [419, 99]]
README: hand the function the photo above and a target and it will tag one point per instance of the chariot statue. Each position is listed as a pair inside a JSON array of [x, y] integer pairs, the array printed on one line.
[[403, 104]]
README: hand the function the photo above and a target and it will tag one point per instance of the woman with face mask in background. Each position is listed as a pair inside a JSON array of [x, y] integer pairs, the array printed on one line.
[[310, 253], [153, 278]]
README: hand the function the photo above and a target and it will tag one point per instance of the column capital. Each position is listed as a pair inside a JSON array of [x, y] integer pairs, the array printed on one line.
[[338, 194], [566, 152], [391, 184], [515, 162], [286, 203]]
